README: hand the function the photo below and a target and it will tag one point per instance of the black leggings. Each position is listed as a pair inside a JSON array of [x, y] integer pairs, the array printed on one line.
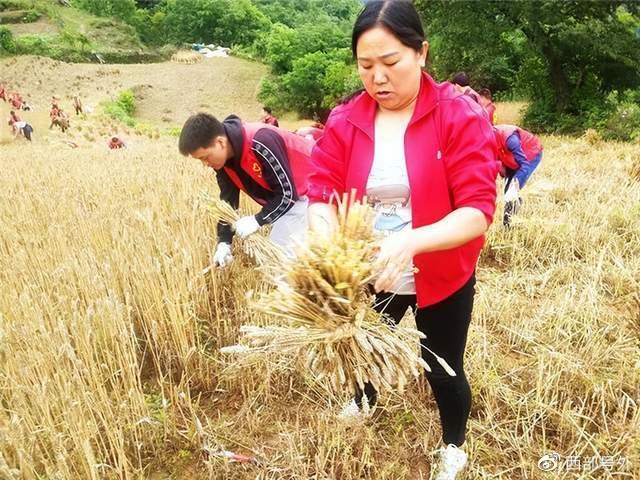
[[446, 325]]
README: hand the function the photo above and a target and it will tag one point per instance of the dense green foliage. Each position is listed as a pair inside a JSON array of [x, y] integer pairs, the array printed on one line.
[[123, 9], [7, 42], [566, 57], [226, 22]]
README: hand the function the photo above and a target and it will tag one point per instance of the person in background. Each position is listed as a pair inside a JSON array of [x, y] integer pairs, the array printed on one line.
[[3, 92], [425, 157], [461, 81], [77, 104], [116, 144], [54, 113], [14, 119], [268, 118], [519, 153], [58, 118], [16, 101], [486, 100], [269, 164], [23, 128]]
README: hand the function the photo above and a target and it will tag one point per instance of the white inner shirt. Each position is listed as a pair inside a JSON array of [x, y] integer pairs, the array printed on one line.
[[388, 188]]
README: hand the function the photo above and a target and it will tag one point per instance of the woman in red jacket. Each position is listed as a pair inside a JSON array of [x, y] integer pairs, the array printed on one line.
[[425, 157]]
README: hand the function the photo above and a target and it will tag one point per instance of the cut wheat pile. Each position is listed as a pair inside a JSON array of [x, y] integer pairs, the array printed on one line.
[[186, 56], [326, 314]]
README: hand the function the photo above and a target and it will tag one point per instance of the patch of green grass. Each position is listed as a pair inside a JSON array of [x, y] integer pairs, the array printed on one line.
[[122, 108], [156, 406], [173, 131]]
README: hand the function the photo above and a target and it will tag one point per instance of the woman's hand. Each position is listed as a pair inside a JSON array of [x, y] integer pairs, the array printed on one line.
[[395, 258], [397, 251]]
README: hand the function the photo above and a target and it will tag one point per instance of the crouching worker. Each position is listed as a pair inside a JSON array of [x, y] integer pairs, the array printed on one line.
[[116, 144], [23, 128], [268, 164], [519, 153]]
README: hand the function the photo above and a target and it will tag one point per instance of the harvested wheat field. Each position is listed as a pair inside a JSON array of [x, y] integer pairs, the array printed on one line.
[[110, 332], [166, 93]]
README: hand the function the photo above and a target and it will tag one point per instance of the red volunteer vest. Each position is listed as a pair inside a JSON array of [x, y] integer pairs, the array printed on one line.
[[298, 153], [531, 146]]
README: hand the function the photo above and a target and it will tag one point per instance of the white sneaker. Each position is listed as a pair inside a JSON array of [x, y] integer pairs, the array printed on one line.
[[352, 412], [452, 462]]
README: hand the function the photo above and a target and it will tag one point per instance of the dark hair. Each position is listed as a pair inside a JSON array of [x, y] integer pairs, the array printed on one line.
[[461, 79], [485, 92], [398, 16], [199, 131], [267, 109]]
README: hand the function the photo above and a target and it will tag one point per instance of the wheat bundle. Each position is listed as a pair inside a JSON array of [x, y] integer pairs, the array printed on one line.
[[186, 56], [325, 316], [257, 246]]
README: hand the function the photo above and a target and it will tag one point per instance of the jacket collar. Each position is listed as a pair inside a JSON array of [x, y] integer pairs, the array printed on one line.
[[363, 112], [233, 130]]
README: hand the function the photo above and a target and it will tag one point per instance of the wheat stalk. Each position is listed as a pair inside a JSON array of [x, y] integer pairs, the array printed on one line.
[[258, 247]]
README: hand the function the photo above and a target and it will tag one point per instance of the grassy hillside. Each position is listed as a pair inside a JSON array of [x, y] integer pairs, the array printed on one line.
[[44, 27]]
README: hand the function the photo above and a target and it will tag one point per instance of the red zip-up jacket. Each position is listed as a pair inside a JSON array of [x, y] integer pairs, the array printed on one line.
[[450, 150]]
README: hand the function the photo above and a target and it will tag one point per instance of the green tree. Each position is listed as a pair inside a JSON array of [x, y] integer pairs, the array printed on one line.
[[567, 54], [226, 22], [284, 45], [148, 4], [122, 9], [316, 82], [297, 12], [150, 25]]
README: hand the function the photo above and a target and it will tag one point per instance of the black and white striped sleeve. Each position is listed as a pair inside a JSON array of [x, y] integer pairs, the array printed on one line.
[[271, 151], [231, 194]]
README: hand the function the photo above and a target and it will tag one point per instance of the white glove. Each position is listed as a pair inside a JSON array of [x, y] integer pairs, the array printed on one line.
[[513, 192], [246, 226], [222, 257]]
